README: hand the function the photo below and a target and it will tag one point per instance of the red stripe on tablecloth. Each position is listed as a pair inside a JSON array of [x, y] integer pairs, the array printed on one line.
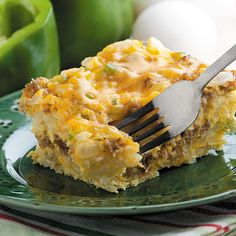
[[177, 225], [226, 229], [210, 211], [38, 227]]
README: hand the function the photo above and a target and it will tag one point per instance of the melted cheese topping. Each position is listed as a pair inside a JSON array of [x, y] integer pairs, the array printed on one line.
[[121, 78]]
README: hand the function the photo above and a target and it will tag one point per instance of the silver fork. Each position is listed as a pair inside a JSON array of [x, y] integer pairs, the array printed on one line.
[[174, 110]]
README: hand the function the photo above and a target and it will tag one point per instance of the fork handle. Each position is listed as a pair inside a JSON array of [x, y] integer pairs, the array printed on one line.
[[216, 68]]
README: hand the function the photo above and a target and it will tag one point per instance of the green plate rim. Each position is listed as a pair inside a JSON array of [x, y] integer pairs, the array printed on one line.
[[128, 210]]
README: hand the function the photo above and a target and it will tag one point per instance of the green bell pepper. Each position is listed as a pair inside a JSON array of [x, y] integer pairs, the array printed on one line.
[[86, 26], [28, 42]]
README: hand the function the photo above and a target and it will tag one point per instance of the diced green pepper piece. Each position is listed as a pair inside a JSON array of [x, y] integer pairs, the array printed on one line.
[[110, 69], [90, 95], [114, 101]]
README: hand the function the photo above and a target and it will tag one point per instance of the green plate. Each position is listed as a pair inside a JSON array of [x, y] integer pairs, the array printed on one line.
[[211, 179]]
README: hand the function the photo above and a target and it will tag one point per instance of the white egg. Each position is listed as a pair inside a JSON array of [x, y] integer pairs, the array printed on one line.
[[224, 15], [181, 26]]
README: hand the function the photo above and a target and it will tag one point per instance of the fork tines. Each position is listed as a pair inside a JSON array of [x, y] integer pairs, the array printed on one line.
[[136, 115], [146, 126]]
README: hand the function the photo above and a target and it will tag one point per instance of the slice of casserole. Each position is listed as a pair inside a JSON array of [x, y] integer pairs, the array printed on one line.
[[73, 114]]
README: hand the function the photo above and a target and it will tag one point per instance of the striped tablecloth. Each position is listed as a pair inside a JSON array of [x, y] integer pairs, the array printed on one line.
[[213, 219]]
